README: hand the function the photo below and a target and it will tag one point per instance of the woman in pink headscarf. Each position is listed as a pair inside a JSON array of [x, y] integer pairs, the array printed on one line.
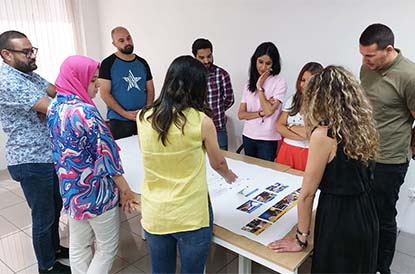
[[88, 166]]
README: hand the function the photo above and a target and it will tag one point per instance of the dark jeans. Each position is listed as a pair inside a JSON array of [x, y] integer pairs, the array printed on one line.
[[41, 189], [261, 149], [222, 138], [388, 180], [121, 129], [193, 247]]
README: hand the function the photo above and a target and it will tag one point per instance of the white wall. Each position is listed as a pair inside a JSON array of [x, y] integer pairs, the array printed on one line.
[[90, 21], [326, 31]]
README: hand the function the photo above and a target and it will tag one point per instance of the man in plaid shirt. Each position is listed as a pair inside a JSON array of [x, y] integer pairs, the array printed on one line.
[[220, 94]]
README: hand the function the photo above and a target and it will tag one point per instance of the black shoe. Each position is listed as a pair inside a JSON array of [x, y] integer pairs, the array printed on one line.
[[57, 268], [63, 253]]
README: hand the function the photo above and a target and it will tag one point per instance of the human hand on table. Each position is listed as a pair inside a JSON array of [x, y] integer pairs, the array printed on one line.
[[285, 245], [230, 177]]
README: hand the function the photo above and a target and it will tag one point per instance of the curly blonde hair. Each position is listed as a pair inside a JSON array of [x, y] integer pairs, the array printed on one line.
[[334, 98]]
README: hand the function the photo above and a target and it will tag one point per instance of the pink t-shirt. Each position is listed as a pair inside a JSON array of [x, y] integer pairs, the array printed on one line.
[[264, 128]]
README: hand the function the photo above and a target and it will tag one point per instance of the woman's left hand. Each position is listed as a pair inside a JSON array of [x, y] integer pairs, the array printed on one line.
[[130, 201], [285, 245]]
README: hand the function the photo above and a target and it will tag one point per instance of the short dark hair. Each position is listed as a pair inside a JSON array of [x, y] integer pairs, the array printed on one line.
[[266, 48], [377, 33], [7, 36], [201, 43]]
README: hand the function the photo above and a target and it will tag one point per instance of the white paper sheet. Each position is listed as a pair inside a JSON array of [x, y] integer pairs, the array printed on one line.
[[132, 163], [252, 180]]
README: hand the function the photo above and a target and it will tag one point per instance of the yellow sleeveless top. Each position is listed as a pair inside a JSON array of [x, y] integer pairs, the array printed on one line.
[[174, 193]]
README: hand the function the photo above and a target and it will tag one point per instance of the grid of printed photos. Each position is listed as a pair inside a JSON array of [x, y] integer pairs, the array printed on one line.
[[272, 214]]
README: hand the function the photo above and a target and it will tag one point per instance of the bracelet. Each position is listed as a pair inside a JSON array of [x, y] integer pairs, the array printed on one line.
[[259, 113], [303, 233], [261, 89], [300, 243]]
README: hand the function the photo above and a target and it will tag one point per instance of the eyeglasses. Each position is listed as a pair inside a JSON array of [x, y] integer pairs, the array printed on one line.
[[27, 52]]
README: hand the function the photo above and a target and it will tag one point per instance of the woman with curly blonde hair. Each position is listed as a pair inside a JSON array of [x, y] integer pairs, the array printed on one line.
[[343, 144]]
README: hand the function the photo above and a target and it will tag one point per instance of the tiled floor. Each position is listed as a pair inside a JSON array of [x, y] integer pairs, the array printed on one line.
[[17, 256]]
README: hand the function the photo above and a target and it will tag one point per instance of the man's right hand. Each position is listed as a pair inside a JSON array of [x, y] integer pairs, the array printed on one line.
[[130, 115]]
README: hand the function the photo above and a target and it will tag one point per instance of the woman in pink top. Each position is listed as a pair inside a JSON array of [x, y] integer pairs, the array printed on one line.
[[261, 103]]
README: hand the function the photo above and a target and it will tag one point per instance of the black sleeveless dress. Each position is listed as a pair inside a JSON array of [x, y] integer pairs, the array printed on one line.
[[346, 227]]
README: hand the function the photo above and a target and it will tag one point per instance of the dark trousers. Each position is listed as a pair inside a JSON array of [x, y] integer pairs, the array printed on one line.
[[121, 129], [261, 149], [222, 138], [388, 180], [41, 189]]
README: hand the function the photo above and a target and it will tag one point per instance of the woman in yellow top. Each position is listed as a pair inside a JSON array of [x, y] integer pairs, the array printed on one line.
[[175, 132]]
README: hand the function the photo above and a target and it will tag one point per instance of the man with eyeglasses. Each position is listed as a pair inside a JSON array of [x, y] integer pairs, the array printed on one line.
[[24, 97]]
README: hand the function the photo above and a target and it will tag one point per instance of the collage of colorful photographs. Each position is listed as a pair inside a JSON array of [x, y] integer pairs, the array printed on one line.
[[272, 214]]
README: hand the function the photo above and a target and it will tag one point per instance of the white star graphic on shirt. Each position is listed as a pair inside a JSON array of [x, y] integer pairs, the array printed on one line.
[[132, 81]]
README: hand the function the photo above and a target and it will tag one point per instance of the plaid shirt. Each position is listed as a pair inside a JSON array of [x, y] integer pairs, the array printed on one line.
[[220, 95]]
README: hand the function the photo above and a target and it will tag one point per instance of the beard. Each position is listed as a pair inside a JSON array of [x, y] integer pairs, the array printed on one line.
[[208, 65], [128, 49], [26, 67]]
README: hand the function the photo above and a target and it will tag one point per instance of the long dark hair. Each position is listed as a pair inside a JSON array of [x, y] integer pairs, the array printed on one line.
[[185, 86], [311, 67], [266, 48]]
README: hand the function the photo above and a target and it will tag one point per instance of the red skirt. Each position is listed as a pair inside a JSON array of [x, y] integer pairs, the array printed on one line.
[[293, 156]]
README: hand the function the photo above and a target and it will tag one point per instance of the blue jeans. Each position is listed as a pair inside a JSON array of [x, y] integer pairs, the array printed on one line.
[[41, 189], [193, 248], [222, 138], [387, 182], [261, 149]]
